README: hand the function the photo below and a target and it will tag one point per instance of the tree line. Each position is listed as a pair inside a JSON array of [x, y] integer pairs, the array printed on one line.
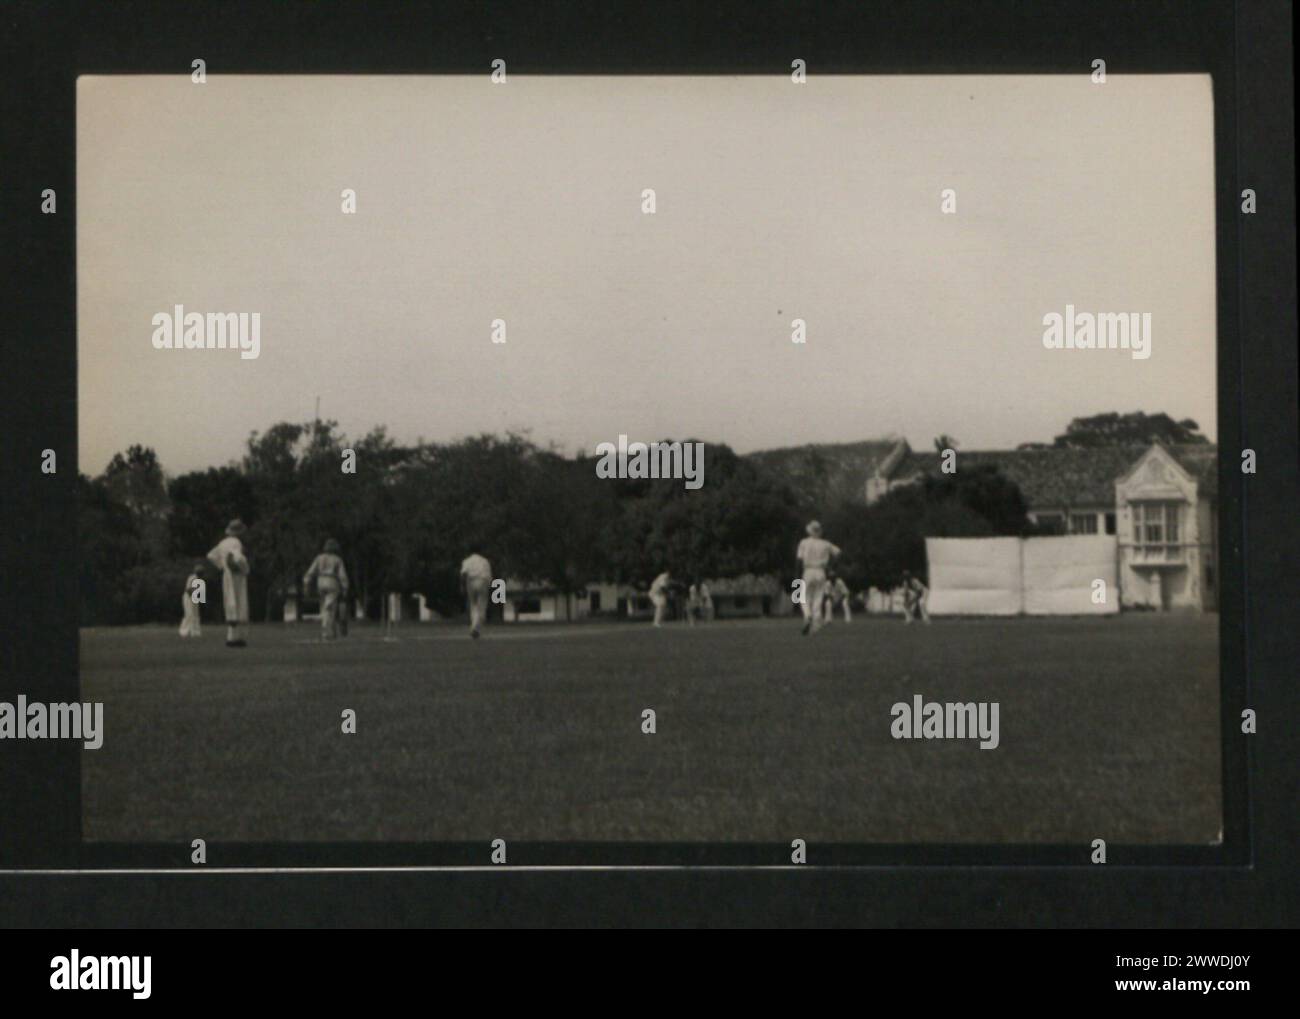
[[407, 515]]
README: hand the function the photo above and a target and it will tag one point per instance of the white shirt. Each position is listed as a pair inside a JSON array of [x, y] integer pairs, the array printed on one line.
[[816, 553], [475, 567], [660, 582], [327, 565], [228, 556]]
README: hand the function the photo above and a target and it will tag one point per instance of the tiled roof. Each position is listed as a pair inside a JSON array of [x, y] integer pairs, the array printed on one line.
[[1201, 461], [1070, 477], [827, 472]]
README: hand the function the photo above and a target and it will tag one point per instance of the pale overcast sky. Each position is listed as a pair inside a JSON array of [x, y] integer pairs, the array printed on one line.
[[523, 202]]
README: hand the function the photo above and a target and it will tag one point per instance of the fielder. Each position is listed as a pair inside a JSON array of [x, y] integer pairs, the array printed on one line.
[[706, 602], [837, 595], [331, 579], [694, 606], [915, 596], [659, 595], [815, 554], [191, 622], [475, 583], [228, 556]]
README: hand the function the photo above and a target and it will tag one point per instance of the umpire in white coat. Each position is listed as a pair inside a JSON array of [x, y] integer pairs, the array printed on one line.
[[228, 556]]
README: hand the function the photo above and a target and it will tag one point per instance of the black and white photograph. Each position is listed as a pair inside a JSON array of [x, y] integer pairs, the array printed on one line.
[[774, 466], [664, 485]]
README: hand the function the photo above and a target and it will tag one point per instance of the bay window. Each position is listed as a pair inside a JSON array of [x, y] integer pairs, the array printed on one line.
[[1156, 531]]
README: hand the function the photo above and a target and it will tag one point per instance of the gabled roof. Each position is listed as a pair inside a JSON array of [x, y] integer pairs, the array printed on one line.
[[1050, 478], [1201, 461], [825, 472]]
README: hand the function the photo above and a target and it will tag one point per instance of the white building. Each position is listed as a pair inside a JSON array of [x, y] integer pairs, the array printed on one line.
[[1161, 503]]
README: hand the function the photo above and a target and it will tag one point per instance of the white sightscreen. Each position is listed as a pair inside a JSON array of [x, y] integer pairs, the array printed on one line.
[[1060, 574], [974, 576], [1007, 576]]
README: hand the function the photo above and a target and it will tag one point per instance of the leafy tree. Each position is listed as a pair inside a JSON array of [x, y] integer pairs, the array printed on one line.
[[360, 528], [983, 490], [884, 539], [109, 546], [301, 495], [203, 503], [483, 494], [741, 521], [564, 506], [135, 481], [1136, 428]]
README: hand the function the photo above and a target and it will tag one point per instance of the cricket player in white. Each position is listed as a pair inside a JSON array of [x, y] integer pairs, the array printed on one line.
[[915, 597], [228, 556], [693, 604], [191, 622], [331, 579], [659, 595], [837, 594], [476, 581], [815, 554]]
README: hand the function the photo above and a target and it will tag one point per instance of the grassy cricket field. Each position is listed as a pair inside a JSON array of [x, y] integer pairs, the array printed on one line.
[[1108, 727]]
